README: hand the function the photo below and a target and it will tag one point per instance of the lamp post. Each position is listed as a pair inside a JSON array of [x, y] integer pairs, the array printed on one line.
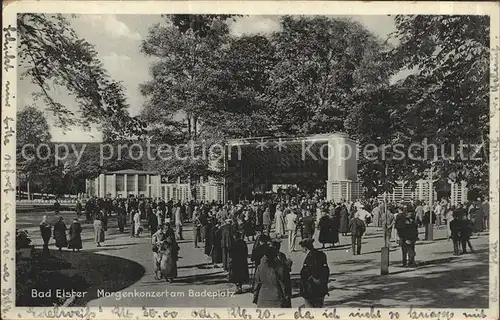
[[28, 191], [385, 250], [430, 232]]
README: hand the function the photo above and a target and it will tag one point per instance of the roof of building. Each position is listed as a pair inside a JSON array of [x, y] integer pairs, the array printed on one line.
[[131, 171], [297, 139]]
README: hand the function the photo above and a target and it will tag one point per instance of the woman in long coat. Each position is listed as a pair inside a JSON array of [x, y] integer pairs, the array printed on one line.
[[334, 229], [98, 230], [344, 221], [478, 218], [238, 269], [75, 238], [208, 236], [248, 225], [45, 230], [60, 234], [324, 225], [78, 208], [271, 288], [279, 228], [170, 255], [216, 252]]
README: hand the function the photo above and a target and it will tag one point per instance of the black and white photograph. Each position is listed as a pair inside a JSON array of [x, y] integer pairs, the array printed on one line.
[[276, 160]]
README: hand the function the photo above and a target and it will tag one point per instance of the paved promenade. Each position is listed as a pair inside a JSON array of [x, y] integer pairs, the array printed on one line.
[[440, 280]]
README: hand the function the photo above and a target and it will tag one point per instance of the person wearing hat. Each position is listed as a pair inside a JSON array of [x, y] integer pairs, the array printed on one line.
[[227, 241], [260, 248], [99, 235], [276, 244], [408, 233], [152, 220], [357, 228], [216, 241], [466, 228], [279, 219], [131, 219], [156, 241], [238, 266], [455, 235], [178, 222], [291, 226], [121, 216], [307, 222], [60, 234], [75, 238], [266, 220], [168, 230], [314, 275], [272, 288], [137, 224], [46, 232], [196, 228]]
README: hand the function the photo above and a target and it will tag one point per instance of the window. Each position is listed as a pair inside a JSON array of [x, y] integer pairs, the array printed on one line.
[[142, 183], [109, 183], [130, 183], [120, 183]]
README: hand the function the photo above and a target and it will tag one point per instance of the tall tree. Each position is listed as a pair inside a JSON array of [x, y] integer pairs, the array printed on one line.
[[51, 53], [179, 87], [242, 81], [322, 63], [181, 93], [36, 164], [447, 96]]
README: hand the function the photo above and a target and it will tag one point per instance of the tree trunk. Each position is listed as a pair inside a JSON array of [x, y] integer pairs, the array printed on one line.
[[28, 189], [195, 127], [188, 118]]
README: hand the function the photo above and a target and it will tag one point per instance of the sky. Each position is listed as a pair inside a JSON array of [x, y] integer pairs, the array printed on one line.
[[117, 39]]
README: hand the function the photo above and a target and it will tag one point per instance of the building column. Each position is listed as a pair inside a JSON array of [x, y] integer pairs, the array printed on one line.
[[136, 185], [102, 186], [342, 167], [158, 185], [125, 186], [113, 194]]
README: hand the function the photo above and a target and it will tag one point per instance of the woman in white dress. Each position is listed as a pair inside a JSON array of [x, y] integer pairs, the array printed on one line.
[[394, 232], [279, 222], [137, 223]]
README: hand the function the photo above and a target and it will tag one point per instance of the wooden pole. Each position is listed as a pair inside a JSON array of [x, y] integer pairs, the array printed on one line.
[[431, 195], [384, 258]]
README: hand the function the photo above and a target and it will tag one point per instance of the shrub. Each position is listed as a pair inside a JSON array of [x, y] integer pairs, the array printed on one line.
[[22, 239]]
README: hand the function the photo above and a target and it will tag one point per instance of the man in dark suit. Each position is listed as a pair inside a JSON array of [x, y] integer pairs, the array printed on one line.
[[455, 235], [408, 234], [307, 225], [357, 228], [227, 241]]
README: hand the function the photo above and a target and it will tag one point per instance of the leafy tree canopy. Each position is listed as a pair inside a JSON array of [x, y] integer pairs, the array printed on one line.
[[52, 54]]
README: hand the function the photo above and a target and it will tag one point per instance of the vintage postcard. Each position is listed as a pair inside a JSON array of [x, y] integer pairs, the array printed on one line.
[[250, 160]]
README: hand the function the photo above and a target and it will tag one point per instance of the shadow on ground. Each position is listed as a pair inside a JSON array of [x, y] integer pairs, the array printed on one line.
[[452, 286], [81, 271]]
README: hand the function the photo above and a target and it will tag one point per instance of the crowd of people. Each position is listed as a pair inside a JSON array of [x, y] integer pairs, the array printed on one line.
[[223, 231]]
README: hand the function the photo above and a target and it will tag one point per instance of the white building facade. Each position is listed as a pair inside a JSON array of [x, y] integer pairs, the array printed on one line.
[[137, 183]]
